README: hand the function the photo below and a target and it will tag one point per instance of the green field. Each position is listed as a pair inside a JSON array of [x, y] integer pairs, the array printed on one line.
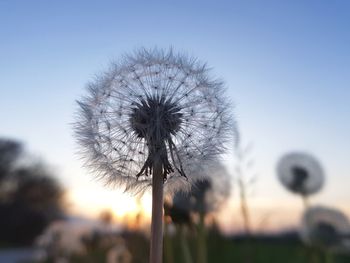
[[226, 250]]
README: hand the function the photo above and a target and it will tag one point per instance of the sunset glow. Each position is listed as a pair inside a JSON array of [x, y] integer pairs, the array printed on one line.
[[84, 202]]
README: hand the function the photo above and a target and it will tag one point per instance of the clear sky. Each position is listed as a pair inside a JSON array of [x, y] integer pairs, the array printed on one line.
[[286, 65]]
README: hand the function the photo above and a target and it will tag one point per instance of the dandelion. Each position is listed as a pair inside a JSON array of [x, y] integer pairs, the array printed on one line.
[[325, 227], [206, 196], [301, 174], [151, 120]]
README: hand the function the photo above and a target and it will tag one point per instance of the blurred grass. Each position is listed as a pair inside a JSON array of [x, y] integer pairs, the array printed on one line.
[[224, 250]]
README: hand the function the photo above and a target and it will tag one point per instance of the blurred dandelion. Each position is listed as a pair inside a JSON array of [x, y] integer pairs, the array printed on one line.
[[301, 173], [119, 253], [61, 239], [178, 219], [325, 227], [206, 196], [152, 119]]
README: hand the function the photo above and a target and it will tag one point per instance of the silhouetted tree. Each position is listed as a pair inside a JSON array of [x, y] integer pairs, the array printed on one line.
[[30, 198], [9, 153]]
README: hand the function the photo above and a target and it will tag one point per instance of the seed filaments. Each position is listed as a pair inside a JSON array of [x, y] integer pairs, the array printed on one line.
[[153, 104], [155, 119]]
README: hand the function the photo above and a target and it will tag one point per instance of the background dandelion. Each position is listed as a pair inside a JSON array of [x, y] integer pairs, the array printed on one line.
[[300, 173], [152, 118], [205, 197], [208, 194], [325, 227]]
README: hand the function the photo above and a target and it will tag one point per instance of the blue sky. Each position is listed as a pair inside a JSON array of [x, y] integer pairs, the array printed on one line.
[[286, 65]]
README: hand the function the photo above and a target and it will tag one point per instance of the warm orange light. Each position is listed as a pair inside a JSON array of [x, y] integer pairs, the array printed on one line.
[[128, 210]]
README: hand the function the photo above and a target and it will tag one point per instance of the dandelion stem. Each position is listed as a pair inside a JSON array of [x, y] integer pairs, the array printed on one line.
[[305, 202], [157, 213], [328, 256], [201, 240], [168, 244], [185, 247]]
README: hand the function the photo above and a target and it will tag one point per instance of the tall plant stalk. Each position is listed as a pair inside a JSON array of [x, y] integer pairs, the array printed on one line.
[[245, 180], [305, 201], [168, 245], [184, 245], [244, 206], [201, 240]]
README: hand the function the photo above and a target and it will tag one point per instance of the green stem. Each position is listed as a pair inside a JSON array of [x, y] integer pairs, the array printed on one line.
[[201, 241], [328, 256], [305, 202], [168, 245], [184, 245]]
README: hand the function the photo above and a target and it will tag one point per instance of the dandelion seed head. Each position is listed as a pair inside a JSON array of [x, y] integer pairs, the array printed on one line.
[[324, 227], [208, 194], [153, 103], [300, 173]]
